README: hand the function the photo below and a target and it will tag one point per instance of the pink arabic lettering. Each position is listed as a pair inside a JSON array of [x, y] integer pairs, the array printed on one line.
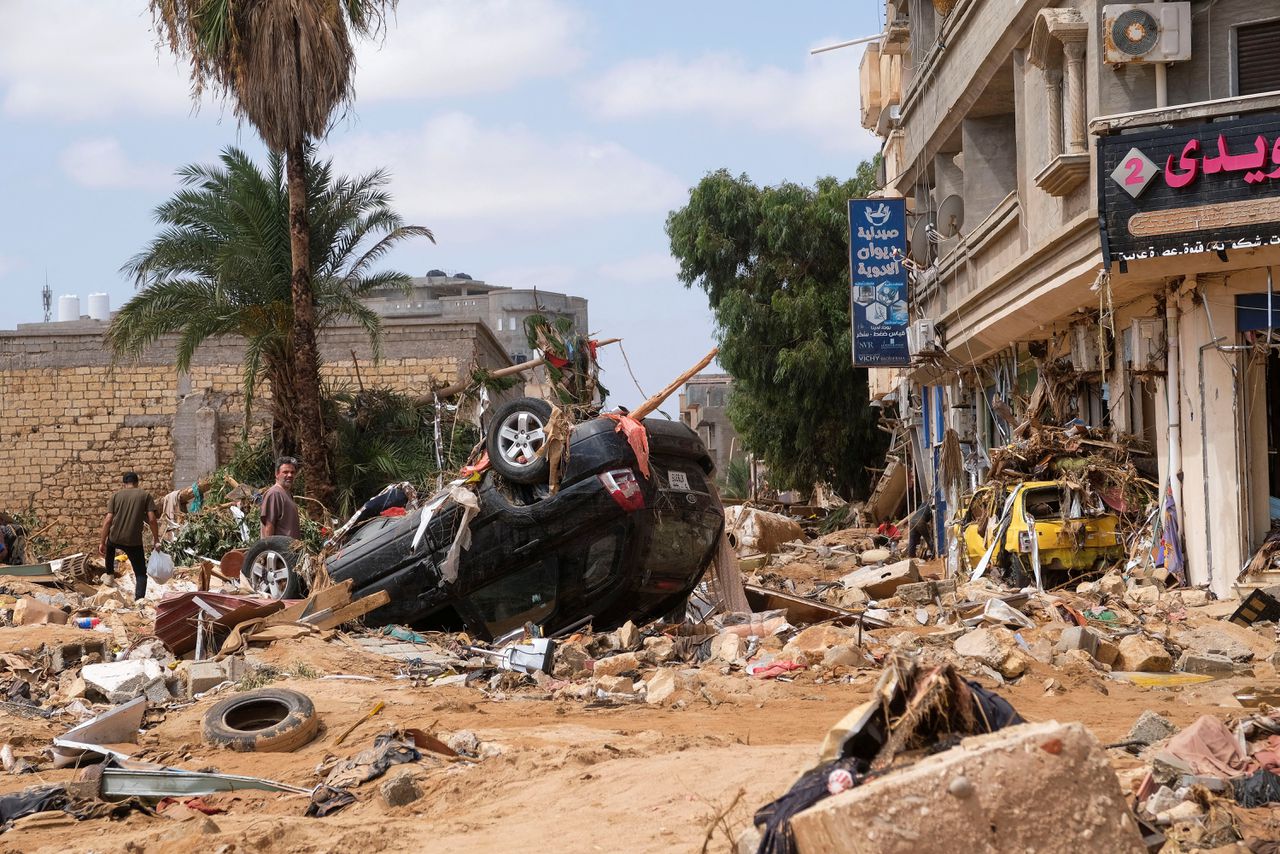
[[1189, 166]]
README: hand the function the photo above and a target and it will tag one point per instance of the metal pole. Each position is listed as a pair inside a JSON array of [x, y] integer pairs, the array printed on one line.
[[849, 43], [1162, 83]]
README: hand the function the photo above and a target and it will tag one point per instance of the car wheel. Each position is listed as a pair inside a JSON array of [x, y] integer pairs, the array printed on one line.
[[516, 433], [274, 720], [269, 568]]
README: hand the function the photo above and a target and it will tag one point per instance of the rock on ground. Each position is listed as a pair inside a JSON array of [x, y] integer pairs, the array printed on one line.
[[995, 647], [1141, 654], [1046, 787]]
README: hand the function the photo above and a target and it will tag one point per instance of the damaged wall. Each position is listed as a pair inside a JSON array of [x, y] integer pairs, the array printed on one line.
[[75, 423]]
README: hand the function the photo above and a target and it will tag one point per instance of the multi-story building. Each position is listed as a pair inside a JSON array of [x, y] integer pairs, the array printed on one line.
[[703, 407], [503, 309], [1096, 187]]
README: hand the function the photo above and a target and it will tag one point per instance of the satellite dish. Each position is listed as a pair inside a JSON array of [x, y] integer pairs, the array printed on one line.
[[951, 216], [921, 250]]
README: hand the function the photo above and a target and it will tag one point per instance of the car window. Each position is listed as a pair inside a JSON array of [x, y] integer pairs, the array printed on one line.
[[602, 558], [1043, 503], [527, 596], [677, 547]]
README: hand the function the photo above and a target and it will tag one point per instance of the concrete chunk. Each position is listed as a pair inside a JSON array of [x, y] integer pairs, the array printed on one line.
[[121, 681], [1077, 637], [924, 592], [203, 675], [880, 582], [1045, 787], [1141, 654], [616, 665], [1205, 663], [1151, 727]]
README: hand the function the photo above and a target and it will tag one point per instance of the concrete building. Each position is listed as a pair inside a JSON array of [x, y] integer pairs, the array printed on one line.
[[702, 407], [460, 297], [1109, 184]]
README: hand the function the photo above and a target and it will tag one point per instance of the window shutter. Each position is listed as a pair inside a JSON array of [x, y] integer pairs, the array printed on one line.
[[1257, 60]]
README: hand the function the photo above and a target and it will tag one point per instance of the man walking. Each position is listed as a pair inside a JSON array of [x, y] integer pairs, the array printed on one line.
[[128, 510], [279, 512]]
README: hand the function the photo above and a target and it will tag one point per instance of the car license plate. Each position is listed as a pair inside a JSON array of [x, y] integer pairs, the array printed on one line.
[[678, 480]]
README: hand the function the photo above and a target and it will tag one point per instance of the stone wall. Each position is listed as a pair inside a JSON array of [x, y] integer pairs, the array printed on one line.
[[75, 422]]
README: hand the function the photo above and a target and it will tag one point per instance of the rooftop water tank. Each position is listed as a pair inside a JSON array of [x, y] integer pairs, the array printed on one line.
[[99, 306], [68, 308]]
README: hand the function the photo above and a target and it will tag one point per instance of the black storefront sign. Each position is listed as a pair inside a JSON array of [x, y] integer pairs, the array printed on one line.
[[1192, 188]]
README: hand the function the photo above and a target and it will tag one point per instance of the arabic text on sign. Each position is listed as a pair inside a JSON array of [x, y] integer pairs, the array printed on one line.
[[1250, 163]]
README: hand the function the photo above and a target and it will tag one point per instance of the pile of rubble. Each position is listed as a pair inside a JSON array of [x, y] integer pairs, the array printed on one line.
[[88, 679]]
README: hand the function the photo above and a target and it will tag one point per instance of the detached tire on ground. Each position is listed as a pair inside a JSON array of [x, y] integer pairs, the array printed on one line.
[[516, 433], [269, 567], [274, 720]]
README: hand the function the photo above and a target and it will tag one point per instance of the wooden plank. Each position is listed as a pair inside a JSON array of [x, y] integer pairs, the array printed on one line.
[[333, 596], [351, 612]]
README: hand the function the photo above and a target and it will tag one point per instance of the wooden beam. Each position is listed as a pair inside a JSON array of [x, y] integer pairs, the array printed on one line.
[[654, 402], [357, 609]]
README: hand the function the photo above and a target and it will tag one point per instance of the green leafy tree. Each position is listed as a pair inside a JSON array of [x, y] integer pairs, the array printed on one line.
[[221, 265], [774, 263], [286, 66]]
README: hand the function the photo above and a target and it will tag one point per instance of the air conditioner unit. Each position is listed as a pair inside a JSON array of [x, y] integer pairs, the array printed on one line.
[[1146, 32], [922, 337], [1084, 348], [1145, 345]]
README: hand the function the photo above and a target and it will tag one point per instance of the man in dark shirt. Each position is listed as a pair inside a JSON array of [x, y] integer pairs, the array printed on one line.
[[128, 510], [279, 512]]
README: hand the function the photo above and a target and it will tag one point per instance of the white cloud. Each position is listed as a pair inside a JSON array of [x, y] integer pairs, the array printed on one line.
[[100, 163], [81, 60], [552, 277], [656, 267], [820, 101], [463, 47], [454, 169], [77, 60]]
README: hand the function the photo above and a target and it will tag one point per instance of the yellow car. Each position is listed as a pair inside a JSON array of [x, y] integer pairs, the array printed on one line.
[[1047, 520]]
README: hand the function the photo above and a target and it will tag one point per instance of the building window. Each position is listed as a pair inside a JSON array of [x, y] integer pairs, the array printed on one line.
[[1257, 66], [715, 395]]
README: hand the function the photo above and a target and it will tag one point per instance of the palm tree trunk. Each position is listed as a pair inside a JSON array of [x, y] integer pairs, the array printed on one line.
[[281, 373], [311, 435]]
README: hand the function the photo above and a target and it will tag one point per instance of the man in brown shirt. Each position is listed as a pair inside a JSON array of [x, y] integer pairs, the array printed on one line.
[[279, 512], [128, 510]]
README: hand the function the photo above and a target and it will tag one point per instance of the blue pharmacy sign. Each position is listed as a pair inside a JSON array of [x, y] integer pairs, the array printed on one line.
[[877, 249]]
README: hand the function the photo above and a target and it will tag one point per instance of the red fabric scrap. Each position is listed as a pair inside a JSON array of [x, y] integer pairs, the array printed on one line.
[[1268, 756], [197, 804], [555, 360], [777, 668], [481, 465], [637, 438], [1209, 748]]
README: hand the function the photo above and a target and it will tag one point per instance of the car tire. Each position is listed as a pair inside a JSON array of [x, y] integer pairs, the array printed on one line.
[[515, 434], [270, 567], [274, 720]]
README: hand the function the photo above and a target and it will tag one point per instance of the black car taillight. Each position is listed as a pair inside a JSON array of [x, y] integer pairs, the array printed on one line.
[[624, 487]]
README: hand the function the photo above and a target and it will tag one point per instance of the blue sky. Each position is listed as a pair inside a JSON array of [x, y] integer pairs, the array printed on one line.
[[543, 141]]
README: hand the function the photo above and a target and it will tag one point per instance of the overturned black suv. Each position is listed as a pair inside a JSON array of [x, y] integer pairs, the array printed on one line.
[[610, 545]]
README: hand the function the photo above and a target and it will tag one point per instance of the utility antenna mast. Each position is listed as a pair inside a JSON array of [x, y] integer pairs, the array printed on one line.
[[46, 298]]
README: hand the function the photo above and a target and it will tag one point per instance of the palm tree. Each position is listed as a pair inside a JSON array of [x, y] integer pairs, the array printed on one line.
[[286, 65], [222, 265]]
